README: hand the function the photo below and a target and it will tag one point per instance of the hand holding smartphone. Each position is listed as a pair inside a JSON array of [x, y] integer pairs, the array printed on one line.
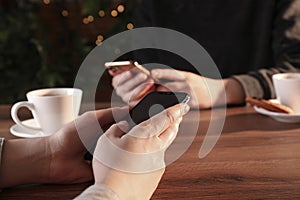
[[116, 68], [150, 105]]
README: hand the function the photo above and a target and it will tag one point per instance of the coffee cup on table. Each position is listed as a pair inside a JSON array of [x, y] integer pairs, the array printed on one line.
[[51, 108], [287, 89]]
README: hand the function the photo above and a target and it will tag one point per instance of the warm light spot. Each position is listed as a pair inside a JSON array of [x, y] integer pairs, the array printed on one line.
[[85, 20], [101, 13], [121, 8], [114, 13], [90, 18], [117, 51], [98, 42], [100, 38], [46, 1], [130, 26], [65, 13]]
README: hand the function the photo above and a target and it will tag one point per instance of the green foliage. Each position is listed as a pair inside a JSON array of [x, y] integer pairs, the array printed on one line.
[[20, 59], [33, 55], [29, 61]]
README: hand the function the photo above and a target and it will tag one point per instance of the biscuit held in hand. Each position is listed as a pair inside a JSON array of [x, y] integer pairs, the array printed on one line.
[[268, 105]]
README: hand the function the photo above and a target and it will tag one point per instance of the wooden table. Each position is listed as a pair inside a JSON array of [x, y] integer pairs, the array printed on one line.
[[255, 158]]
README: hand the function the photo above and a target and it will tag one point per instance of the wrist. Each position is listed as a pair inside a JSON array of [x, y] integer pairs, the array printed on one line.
[[234, 92], [24, 161]]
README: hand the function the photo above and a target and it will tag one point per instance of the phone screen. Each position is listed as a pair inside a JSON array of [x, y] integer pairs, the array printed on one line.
[[153, 104]]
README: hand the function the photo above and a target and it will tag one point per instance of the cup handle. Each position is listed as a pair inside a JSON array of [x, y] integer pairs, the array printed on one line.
[[14, 114]]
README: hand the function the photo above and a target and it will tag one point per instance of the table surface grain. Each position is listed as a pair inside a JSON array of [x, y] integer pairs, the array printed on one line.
[[254, 158]]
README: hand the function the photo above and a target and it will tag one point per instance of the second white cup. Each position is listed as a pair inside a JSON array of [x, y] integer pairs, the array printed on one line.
[[287, 88]]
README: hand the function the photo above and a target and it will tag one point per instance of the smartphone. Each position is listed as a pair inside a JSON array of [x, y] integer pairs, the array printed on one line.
[[115, 68], [154, 103]]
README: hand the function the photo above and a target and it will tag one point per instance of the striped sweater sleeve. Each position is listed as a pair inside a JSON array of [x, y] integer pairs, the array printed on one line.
[[286, 51]]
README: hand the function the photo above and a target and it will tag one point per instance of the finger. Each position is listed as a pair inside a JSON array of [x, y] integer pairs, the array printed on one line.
[[87, 125], [117, 130], [168, 136], [121, 78], [138, 93], [129, 78], [158, 123], [141, 91], [139, 79], [169, 74]]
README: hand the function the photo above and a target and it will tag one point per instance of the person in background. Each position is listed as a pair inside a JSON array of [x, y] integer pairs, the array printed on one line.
[[59, 158], [249, 40]]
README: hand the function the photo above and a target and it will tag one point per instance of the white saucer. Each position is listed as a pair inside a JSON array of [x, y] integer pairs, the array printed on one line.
[[19, 131], [281, 117]]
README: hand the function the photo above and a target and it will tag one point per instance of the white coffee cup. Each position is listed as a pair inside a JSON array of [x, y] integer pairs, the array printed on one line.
[[51, 108], [287, 88]]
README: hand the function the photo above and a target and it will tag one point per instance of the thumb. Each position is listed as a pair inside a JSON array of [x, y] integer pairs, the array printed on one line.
[[169, 74], [117, 130]]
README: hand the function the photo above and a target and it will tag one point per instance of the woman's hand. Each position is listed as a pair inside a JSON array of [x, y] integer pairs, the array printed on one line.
[[132, 86], [204, 92], [196, 86], [145, 142], [67, 149]]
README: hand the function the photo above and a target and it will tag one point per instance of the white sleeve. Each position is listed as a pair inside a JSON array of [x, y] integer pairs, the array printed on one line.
[[98, 192], [1, 147]]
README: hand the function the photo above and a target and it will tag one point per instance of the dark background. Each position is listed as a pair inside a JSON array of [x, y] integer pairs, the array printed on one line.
[[43, 42]]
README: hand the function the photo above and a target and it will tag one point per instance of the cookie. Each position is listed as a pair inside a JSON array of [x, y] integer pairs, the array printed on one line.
[[268, 105]]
